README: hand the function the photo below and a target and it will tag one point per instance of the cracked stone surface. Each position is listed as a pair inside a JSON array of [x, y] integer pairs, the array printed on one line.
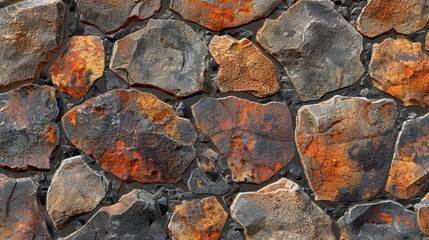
[[281, 210], [255, 138], [243, 67], [422, 211], [217, 15], [302, 38], [345, 145], [28, 136], [133, 135], [197, 219], [166, 54], [31, 32]]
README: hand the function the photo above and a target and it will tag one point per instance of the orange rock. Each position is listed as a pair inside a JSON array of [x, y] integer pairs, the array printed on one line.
[[243, 67], [422, 211], [427, 41]]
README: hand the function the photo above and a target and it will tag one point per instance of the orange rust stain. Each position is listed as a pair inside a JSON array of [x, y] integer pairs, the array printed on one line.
[[71, 115], [51, 134]]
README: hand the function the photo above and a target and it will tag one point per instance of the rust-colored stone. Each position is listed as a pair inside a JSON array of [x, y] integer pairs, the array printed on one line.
[[133, 135], [243, 67], [345, 145], [401, 16], [80, 65], [255, 138], [401, 68], [198, 219], [422, 211]]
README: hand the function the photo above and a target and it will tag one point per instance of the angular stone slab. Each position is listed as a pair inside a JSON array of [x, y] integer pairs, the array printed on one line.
[[133, 135], [345, 145], [75, 189], [243, 67], [401, 68], [281, 210], [166, 54], [80, 65], [199, 183], [217, 15], [27, 127], [422, 211], [318, 48], [31, 32], [255, 138], [111, 15], [198, 219]]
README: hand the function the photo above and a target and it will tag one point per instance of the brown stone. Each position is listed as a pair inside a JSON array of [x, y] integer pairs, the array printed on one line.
[[80, 65], [255, 138], [422, 211], [133, 135], [243, 67], [198, 219], [27, 127], [345, 145], [401, 16], [281, 210], [217, 15]]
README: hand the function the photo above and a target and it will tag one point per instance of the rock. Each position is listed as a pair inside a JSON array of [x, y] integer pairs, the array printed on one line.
[[133, 135], [255, 138], [427, 41], [400, 68], [319, 49], [111, 15], [280, 210], [217, 15], [27, 127], [206, 159], [31, 32], [21, 217], [75, 189], [243, 67], [345, 145], [166, 54], [422, 211], [401, 16], [79, 66], [381, 220], [136, 216], [199, 183], [197, 219]]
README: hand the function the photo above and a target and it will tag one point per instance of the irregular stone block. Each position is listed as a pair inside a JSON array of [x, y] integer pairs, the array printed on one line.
[[422, 211], [345, 145], [200, 184], [319, 49]]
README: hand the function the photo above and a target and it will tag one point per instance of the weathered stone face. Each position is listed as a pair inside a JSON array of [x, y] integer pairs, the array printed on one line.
[[255, 138], [111, 15], [81, 64], [31, 31], [242, 67], [401, 16], [422, 211], [166, 54], [133, 135], [345, 145], [401, 68], [319, 49], [198, 219], [217, 15], [28, 130], [280, 210]]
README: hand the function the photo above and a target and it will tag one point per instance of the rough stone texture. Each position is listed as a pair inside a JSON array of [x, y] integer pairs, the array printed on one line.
[[345, 145], [136, 216], [133, 135], [317, 46], [80, 65], [75, 189], [217, 15], [166, 54], [401, 16], [243, 67], [198, 219], [422, 211], [28, 133], [20, 215], [31, 31], [280, 210], [111, 15], [199, 183], [401, 68], [381, 220], [255, 138]]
